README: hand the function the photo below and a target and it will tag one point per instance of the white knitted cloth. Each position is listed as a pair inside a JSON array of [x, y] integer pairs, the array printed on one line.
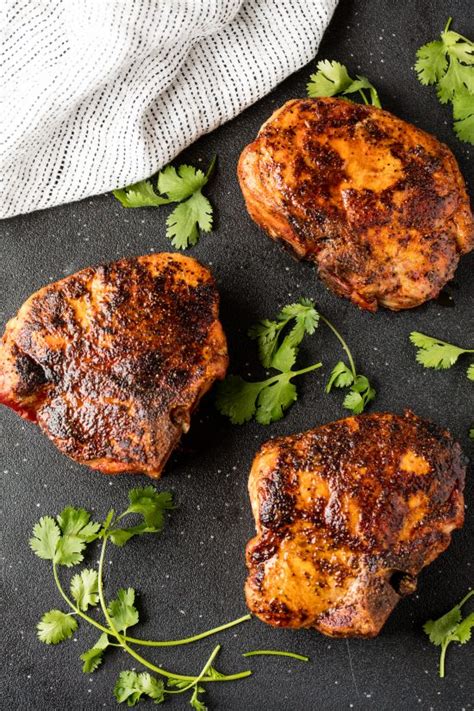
[[97, 94]]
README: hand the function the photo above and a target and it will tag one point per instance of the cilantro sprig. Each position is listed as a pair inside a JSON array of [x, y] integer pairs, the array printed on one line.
[[440, 355], [434, 353], [449, 64], [63, 541], [267, 400], [332, 79], [182, 185], [451, 627]]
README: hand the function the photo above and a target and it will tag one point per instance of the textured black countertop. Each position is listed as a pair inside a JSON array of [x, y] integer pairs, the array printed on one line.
[[191, 578]]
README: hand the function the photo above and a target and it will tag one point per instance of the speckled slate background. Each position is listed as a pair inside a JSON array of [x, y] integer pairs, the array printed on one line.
[[192, 577]]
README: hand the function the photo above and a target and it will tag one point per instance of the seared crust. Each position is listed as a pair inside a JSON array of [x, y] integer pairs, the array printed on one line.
[[378, 205], [346, 516], [111, 361]]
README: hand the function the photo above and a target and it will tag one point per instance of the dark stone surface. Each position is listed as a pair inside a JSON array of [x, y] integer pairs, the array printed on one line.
[[191, 578]]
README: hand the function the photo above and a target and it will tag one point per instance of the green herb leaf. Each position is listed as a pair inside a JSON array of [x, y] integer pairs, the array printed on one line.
[[182, 185], [55, 626], [140, 195], [433, 353], [148, 503], [332, 78], [186, 218], [130, 687], [76, 522], [431, 62], [93, 657], [267, 332], [438, 630], [449, 63], [237, 399], [341, 377], [46, 535], [462, 633], [195, 702], [470, 372], [122, 610], [85, 588], [274, 399], [450, 628]]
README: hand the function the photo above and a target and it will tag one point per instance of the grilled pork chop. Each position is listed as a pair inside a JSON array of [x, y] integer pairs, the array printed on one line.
[[111, 361], [347, 515], [378, 205]]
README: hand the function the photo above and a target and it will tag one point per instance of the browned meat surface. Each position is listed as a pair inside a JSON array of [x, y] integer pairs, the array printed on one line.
[[378, 205], [347, 515], [111, 361]]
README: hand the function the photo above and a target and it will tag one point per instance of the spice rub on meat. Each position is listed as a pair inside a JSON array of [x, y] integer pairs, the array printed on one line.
[[111, 361], [347, 515], [379, 206]]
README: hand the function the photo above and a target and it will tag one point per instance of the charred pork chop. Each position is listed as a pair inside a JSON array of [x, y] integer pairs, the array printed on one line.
[[347, 515], [111, 361], [378, 205]]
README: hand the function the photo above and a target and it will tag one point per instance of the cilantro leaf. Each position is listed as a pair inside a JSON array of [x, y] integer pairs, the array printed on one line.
[[237, 399], [285, 357], [186, 218], [431, 62], [46, 535], [140, 195], [463, 113], [85, 588], [433, 353], [195, 702], [69, 551], [470, 372], [92, 657], [274, 399], [182, 185], [267, 332], [439, 629], [55, 626], [76, 522], [449, 63], [332, 78], [341, 377], [148, 503], [462, 633], [448, 628], [130, 687], [122, 610], [267, 399]]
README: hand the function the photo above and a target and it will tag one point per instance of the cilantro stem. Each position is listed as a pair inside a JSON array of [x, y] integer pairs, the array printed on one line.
[[291, 374], [137, 640], [276, 653], [342, 342], [450, 19], [187, 640], [202, 673], [442, 657], [363, 96], [466, 598], [121, 639]]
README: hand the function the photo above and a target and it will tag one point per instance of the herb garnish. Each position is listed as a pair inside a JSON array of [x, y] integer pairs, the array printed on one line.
[[449, 63], [182, 185], [451, 627], [268, 399], [63, 541], [440, 355], [332, 78]]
